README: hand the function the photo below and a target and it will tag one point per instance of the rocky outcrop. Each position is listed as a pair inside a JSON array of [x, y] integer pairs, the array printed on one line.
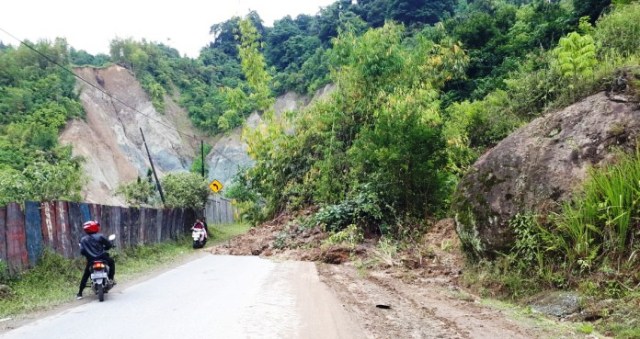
[[538, 166], [229, 153]]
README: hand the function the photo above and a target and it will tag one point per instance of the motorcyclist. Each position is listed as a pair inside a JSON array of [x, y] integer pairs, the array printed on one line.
[[94, 245], [200, 224]]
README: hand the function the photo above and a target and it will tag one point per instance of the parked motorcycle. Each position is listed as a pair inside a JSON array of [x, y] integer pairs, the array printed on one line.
[[100, 282], [199, 237]]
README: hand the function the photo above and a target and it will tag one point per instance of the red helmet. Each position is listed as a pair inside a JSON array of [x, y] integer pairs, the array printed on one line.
[[91, 226]]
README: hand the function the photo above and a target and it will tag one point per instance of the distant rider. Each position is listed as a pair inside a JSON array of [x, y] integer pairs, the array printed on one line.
[[199, 224], [94, 245]]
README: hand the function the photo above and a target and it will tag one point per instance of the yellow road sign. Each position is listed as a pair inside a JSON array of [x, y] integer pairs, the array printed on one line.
[[216, 186]]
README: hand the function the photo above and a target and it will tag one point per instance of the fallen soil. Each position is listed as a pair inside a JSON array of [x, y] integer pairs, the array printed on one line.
[[415, 293]]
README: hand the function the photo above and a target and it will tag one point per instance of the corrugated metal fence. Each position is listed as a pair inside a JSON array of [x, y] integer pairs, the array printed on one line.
[[219, 211], [58, 225]]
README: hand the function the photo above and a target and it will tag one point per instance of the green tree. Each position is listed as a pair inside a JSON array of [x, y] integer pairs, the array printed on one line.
[[618, 31], [185, 189], [412, 12], [591, 8], [254, 65], [575, 57], [196, 166], [139, 192], [376, 140]]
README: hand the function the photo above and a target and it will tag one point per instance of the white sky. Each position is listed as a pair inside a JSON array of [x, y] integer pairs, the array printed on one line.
[[181, 24]]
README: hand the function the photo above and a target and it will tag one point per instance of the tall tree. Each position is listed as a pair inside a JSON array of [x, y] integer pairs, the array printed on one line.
[[411, 12], [254, 65], [591, 8]]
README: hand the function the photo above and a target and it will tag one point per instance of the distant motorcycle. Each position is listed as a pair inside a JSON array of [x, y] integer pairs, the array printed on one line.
[[100, 282], [199, 237]]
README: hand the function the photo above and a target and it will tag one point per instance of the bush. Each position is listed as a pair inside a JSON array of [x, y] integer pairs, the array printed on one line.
[[185, 190], [365, 210], [619, 30], [139, 192]]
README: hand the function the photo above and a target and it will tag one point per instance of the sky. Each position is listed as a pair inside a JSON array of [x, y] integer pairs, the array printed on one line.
[[181, 24]]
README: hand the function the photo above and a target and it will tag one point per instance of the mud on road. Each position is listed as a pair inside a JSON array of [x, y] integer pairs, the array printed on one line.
[[414, 294]]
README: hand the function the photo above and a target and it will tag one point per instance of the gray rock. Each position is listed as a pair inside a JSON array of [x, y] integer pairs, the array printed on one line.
[[5, 291], [557, 304]]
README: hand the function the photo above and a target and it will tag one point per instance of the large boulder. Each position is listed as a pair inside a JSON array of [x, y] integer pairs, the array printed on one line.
[[540, 165]]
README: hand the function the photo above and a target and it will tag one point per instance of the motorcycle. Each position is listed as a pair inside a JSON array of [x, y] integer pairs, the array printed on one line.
[[199, 237], [100, 282]]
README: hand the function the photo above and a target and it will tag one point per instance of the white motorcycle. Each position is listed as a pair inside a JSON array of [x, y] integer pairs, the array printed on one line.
[[199, 237]]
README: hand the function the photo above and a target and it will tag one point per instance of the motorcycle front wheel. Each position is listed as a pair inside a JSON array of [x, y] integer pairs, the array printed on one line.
[[100, 292]]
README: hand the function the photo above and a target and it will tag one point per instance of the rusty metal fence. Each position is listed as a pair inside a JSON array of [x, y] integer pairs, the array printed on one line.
[[24, 234]]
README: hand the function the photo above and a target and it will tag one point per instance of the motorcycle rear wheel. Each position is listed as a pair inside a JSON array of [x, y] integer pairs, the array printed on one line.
[[100, 292]]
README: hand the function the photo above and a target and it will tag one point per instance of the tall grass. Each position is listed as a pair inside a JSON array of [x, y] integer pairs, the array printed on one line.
[[599, 221]]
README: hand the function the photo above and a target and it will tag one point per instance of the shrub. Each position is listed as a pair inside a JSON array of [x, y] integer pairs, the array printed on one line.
[[619, 30], [185, 190]]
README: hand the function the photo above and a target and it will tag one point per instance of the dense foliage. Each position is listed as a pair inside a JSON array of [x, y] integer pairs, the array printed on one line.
[[185, 189], [36, 100], [376, 144]]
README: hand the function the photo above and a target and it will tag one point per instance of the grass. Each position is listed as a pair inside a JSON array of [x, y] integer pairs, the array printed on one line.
[[526, 315], [225, 232], [54, 281]]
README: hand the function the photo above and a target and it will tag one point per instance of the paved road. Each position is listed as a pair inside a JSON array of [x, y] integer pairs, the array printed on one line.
[[210, 297]]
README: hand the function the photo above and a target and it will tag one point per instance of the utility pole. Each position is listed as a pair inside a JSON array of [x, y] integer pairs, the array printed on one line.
[[153, 168], [202, 155]]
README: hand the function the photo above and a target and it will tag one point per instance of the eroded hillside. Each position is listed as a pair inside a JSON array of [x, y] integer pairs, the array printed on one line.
[[110, 139]]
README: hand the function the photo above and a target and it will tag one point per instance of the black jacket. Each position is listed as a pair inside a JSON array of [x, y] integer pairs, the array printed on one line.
[[94, 246]]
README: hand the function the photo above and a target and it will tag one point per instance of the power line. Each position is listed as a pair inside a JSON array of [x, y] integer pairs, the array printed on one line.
[[107, 93], [96, 87]]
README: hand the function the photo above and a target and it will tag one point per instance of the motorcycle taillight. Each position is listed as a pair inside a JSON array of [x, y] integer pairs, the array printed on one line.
[[98, 266]]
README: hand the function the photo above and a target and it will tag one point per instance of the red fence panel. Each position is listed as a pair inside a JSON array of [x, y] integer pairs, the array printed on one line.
[[17, 257], [64, 230]]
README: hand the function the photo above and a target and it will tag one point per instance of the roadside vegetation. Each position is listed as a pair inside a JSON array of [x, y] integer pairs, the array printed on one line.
[[54, 281]]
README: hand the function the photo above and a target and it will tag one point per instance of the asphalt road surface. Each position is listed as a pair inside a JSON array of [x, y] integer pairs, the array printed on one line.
[[210, 297]]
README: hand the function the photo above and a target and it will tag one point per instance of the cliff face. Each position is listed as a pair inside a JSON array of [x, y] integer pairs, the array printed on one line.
[[540, 165], [229, 153], [109, 137]]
